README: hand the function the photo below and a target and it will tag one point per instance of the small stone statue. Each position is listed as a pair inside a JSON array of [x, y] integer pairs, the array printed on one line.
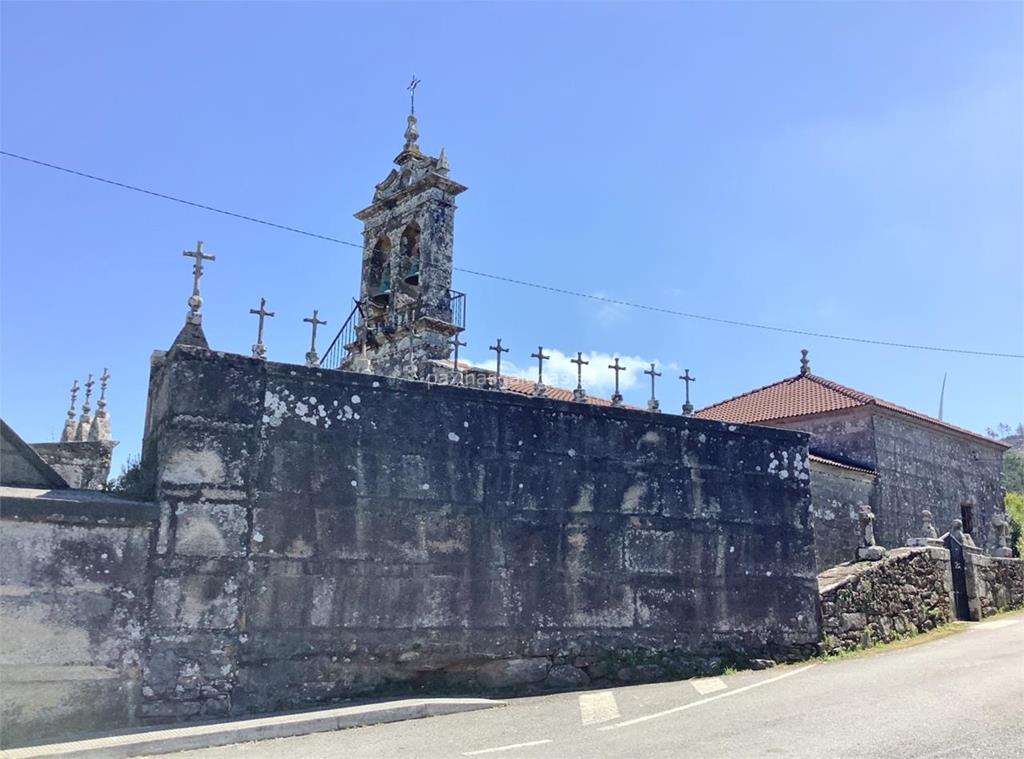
[[1000, 527], [956, 531], [928, 531], [927, 525], [868, 550]]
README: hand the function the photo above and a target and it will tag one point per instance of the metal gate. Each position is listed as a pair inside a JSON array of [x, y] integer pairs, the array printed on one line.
[[959, 569]]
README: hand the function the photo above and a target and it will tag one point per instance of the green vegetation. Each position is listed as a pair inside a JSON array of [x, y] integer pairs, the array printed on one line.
[[1013, 481], [1015, 511], [129, 482]]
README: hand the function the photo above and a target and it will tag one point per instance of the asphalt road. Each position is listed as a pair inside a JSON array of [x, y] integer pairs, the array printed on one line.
[[958, 696]]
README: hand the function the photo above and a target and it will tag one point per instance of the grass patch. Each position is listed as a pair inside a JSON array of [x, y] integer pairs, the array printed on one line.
[[950, 628]]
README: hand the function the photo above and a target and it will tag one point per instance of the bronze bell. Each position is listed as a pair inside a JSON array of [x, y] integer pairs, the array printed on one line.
[[412, 273]]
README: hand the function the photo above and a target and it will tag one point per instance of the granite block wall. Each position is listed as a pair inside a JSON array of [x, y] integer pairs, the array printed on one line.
[[325, 534], [84, 464], [837, 494], [994, 584], [865, 603], [920, 468], [74, 603]]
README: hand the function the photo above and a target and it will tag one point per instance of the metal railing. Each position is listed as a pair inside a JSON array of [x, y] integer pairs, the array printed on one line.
[[336, 351], [352, 330]]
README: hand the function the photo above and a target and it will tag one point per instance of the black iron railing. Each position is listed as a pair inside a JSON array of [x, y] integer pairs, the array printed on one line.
[[336, 351], [353, 330], [458, 309]]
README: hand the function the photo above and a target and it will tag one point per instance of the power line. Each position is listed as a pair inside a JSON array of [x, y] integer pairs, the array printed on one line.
[[526, 283], [161, 195]]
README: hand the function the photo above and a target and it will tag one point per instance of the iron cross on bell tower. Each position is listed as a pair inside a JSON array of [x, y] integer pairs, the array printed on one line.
[[408, 241]]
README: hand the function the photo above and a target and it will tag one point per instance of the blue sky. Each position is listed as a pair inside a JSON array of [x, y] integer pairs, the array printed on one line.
[[842, 168]]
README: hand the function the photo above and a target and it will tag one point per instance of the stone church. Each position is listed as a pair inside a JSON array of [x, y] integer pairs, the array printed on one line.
[[391, 520], [866, 450]]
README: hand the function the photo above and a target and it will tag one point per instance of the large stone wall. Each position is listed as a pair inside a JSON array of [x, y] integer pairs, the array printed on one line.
[[837, 494], [74, 604], [325, 534], [908, 592], [865, 603]]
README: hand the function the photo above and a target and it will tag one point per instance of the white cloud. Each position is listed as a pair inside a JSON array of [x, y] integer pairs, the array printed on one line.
[[608, 313], [597, 378]]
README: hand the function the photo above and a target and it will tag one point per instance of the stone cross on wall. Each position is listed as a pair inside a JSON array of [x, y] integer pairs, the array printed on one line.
[[70, 425], [259, 350], [652, 405], [579, 394], [195, 302], [616, 396], [497, 372], [456, 343], [687, 406], [312, 359], [539, 390]]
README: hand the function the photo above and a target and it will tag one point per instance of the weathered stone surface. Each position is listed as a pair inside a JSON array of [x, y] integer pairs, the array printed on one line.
[[83, 464], [905, 593], [331, 533], [508, 673], [566, 676], [74, 612], [916, 466]]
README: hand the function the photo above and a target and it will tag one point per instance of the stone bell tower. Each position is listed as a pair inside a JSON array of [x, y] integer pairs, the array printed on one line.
[[408, 310]]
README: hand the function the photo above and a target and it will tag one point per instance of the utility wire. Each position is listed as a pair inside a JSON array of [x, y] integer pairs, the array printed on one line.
[[525, 283]]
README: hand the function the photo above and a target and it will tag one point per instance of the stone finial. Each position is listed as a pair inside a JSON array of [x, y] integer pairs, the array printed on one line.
[[1000, 528], [868, 550], [85, 421], [442, 166], [100, 428], [412, 134], [805, 363], [70, 425]]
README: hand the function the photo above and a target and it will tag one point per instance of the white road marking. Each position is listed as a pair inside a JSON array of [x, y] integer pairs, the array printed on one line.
[[995, 624], [703, 701], [505, 748], [706, 685], [598, 707]]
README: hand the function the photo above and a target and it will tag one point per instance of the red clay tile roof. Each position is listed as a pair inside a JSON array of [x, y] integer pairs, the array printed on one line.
[[806, 395], [526, 387], [840, 464]]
